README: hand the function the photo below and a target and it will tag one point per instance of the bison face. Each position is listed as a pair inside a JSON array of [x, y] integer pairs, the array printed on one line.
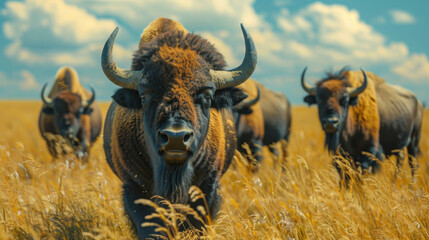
[[67, 108], [177, 127], [176, 107], [333, 97], [333, 101], [174, 83]]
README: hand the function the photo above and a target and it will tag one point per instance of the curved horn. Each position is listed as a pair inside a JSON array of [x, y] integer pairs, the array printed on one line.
[[310, 90], [91, 100], [354, 91], [45, 98], [236, 76], [248, 103], [121, 77]]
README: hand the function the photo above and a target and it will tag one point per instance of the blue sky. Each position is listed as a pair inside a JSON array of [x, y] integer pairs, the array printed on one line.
[[389, 38]]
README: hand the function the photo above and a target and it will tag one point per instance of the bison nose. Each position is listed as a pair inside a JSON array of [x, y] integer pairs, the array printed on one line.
[[176, 138], [331, 121], [330, 124]]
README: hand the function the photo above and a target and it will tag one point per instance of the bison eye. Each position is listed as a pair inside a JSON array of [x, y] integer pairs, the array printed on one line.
[[343, 101], [208, 97], [144, 98]]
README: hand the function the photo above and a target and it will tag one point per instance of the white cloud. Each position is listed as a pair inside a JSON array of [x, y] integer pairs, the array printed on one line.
[[28, 81], [416, 68], [218, 20], [402, 17], [319, 35], [53, 32], [335, 34], [23, 80]]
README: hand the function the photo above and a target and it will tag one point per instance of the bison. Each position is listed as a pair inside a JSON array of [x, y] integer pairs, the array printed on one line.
[[170, 126], [263, 119], [363, 114], [69, 111]]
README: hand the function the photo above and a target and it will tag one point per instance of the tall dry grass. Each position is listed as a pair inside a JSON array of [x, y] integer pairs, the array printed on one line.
[[294, 198]]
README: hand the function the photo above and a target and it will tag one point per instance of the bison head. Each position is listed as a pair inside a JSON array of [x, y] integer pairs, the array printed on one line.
[[333, 96], [67, 108], [175, 80]]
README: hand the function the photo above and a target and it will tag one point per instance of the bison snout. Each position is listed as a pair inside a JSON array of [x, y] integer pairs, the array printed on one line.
[[175, 138], [175, 143], [330, 125]]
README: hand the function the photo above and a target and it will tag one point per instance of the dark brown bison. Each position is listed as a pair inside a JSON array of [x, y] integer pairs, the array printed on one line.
[[264, 118], [170, 126], [69, 110], [360, 112]]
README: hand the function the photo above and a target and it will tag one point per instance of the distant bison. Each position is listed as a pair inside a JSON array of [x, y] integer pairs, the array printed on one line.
[[69, 110], [360, 112], [170, 126], [264, 118]]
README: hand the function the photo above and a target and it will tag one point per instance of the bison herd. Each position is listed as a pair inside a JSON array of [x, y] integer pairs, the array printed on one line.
[[179, 116]]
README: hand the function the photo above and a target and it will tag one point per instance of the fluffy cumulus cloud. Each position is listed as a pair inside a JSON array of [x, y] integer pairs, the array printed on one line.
[[22, 80], [217, 20], [416, 68], [336, 35], [319, 35], [53, 32], [28, 81], [402, 17]]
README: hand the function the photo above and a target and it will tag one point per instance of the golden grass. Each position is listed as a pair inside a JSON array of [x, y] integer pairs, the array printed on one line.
[[294, 198]]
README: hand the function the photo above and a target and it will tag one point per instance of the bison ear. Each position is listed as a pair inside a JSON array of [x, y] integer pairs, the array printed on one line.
[[245, 111], [310, 99], [48, 110], [87, 110], [127, 98], [238, 96], [227, 97], [353, 101]]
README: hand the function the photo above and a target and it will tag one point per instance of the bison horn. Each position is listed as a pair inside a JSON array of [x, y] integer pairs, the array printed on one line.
[[354, 91], [90, 101], [248, 103], [310, 90], [45, 98], [121, 77], [236, 76]]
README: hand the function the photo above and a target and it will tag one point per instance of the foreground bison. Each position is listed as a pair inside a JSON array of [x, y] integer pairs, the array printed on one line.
[[262, 119], [170, 126], [69, 110], [360, 112]]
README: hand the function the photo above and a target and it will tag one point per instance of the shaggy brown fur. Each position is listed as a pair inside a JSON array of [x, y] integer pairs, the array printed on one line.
[[176, 89], [384, 119], [364, 115], [158, 26], [267, 123], [68, 79], [255, 120], [68, 93]]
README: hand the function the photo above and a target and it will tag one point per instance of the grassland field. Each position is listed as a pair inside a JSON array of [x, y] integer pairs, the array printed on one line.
[[296, 197]]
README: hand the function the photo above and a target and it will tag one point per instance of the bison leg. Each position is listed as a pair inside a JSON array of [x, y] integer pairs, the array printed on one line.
[[253, 153], [343, 173], [399, 154], [414, 151], [206, 204], [273, 149], [137, 212], [256, 149], [376, 152]]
